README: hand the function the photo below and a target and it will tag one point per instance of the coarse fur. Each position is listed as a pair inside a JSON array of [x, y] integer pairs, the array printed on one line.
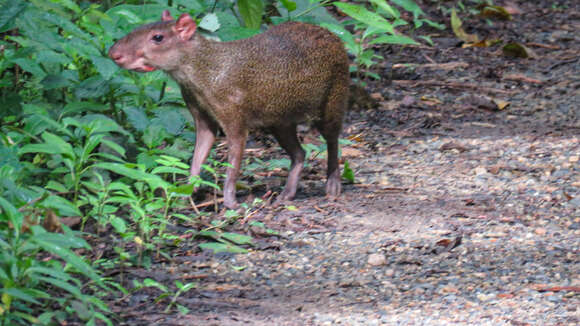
[[291, 73]]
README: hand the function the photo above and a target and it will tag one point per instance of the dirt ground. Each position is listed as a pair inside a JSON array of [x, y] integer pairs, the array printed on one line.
[[463, 211]]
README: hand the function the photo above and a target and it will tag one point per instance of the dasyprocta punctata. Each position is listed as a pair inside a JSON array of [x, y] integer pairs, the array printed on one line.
[[291, 73]]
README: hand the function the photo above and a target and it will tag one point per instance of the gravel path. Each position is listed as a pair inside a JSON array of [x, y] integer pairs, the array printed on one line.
[[460, 215]]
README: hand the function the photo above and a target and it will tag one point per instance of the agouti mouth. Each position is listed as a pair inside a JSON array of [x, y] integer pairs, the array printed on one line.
[[144, 68]]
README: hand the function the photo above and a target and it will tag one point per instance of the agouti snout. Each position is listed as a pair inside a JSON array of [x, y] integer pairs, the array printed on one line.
[[289, 74]]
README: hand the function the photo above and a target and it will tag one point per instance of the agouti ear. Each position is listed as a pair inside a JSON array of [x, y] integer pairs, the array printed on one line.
[[185, 27], [166, 16]]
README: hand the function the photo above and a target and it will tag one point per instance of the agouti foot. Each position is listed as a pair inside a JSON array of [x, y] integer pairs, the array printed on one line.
[[231, 204], [333, 187]]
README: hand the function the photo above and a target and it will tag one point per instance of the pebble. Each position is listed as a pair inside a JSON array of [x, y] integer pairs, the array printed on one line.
[[377, 259]]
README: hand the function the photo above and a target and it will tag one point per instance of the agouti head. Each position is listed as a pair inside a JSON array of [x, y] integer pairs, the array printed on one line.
[[155, 46]]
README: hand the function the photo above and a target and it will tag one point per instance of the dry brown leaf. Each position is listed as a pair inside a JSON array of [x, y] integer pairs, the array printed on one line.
[[481, 44], [501, 104], [431, 100], [498, 12]]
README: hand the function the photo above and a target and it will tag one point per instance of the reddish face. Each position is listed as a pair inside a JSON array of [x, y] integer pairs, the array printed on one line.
[[154, 46]]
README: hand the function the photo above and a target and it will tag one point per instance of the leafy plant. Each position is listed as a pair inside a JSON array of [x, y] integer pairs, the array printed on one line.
[[28, 282], [378, 27]]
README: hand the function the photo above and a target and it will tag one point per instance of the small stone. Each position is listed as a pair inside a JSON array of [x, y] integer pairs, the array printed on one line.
[[574, 159], [575, 202], [480, 170], [485, 297], [389, 272], [377, 259], [540, 231]]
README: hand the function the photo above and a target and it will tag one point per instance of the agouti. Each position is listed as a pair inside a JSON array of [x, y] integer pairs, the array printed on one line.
[[289, 74]]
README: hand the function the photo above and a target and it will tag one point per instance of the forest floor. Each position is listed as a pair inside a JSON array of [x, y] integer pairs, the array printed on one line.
[[464, 211]]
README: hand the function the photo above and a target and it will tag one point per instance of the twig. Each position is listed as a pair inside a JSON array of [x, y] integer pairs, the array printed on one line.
[[433, 65], [414, 83], [210, 202], [193, 205], [542, 45], [522, 78]]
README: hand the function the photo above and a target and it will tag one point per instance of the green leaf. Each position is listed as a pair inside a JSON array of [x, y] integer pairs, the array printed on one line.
[[53, 145], [409, 5], [92, 87], [172, 120], [56, 186], [32, 271], [393, 39], [19, 294], [68, 240], [210, 22], [105, 66], [74, 290], [14, 216], [68, 256], [169, 169], [119, 224], [154, 181], [343, 34], [186, 287], [30, 66], [289, 5], [361, 14], [136, 117], [236, 238], [218, 247], [184, 190], [9, 11], [394, 13], [152, 283], [347, 173], [114, 146], [251, 11]]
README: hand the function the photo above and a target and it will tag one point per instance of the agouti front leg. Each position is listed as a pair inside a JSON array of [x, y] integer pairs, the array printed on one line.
[[206, 130], [236, 145]]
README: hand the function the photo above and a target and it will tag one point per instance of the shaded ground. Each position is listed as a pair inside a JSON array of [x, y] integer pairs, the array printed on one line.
[[462, 214]]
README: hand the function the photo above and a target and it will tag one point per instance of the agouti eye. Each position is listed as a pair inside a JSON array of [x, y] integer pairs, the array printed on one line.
[[157, 38]]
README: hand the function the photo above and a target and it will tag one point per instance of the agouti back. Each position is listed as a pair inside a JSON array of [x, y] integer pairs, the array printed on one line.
[[291, 73]]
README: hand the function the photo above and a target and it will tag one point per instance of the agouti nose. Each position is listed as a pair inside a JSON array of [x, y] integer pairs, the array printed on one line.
[[116, 56]]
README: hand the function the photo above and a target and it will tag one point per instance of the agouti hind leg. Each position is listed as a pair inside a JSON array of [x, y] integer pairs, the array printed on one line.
[[330, 125], [286, 136]]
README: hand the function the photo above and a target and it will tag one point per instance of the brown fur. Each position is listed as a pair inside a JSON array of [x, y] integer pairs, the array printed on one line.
[[291, 73]]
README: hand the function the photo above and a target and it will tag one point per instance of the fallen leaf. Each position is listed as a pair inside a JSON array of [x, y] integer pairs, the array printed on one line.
[[518, 50], [501, 104], [481, 44], [498, 12], [458, 30], [431, 100], [358, 138]]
